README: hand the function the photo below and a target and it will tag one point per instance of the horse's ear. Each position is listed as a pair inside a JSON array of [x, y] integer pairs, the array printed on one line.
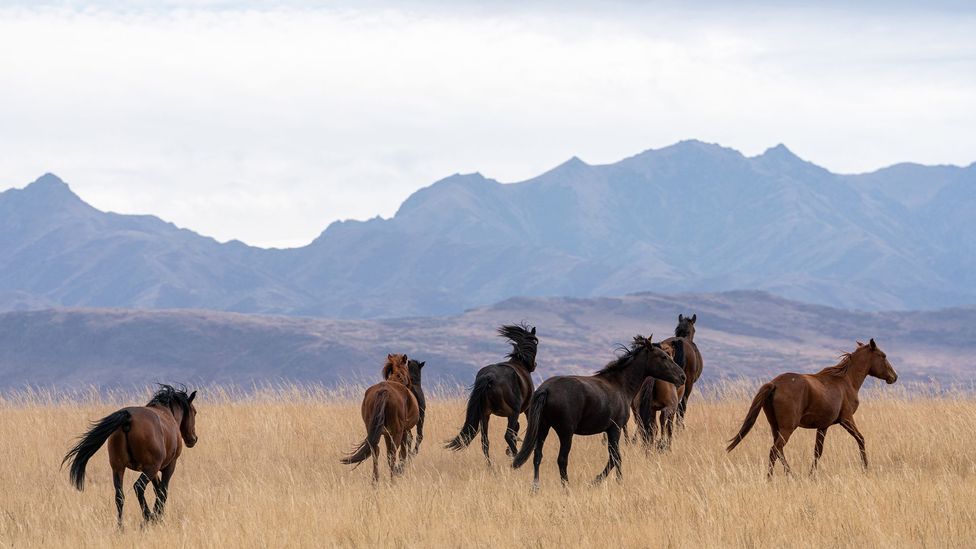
[[533, 330], [681, 317], [193, 395], [874, 346], [859, 344], [694, 318], [650, 338], [421, 364]]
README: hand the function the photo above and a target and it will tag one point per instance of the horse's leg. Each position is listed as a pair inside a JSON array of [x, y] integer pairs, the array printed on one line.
[[818, 448], [511, 434], [420, 430], [540, 441], [626, 434], [683, 404], [390, 453], [140, 488], [162, 488], [117, 476], [851, 428], [779, 442], [649, 430], [484, 438], [565, 445], [667, 428], [613, 449]]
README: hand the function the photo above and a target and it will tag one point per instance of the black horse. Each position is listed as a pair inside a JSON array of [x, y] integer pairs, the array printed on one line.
[[502, 389], [589, 405], [418, 392]]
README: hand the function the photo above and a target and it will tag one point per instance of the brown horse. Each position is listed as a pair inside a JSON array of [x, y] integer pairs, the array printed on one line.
[[589, 405], [502, 389], [418, 391], [389, 410], [148, 439], [693, 364], [816, 401], [657, 395]]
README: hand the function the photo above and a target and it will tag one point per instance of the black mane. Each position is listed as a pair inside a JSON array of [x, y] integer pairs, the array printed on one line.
[[524, 343], [167, 396], [637, 345]]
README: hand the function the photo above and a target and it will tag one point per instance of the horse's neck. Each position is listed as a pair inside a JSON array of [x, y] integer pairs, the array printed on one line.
[[857, 372], [175, 411], [629, 380]]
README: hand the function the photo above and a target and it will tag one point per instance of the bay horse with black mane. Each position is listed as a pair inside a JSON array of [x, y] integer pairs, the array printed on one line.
[[390, 411], [148, 439], [658, 400], [502, 389], [417, 389], [589, 405], [693, 365], [816, 401]]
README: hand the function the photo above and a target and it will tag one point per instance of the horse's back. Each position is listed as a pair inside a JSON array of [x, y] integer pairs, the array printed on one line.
[[507, 382], [585, 403], [808, 399], [150, 440], [401, 404]]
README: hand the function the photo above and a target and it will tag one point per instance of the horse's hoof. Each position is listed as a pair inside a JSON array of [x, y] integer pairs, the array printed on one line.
[[535, 487], [509, 452]]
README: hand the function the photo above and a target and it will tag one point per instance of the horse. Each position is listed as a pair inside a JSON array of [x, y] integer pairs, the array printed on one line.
[[589, 405], [657, 395], [816, 401], [418, 393], [148, 439], [502, 389], [389, 410], [693, 360]]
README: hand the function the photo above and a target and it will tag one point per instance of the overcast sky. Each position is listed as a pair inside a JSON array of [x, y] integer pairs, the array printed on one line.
[[265, 122]]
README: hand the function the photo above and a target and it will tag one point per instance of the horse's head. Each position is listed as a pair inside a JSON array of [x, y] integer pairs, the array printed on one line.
[[415, 367], [686, 326], [524, 343], [396, 369], [188, 426], [658, 363], [879, 366]]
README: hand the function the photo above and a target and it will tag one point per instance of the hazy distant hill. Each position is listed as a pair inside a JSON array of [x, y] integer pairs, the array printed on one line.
[[689, 217], [747, 334]]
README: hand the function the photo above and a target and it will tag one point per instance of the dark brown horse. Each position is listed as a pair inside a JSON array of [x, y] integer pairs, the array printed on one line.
[[658, 396], [389, 410], [589, 405], [816, 401], [147, 439], [418, 391], [502, 389], [693, 360]]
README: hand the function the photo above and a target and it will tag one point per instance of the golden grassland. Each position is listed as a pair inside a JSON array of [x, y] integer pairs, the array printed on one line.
[[266, 473]]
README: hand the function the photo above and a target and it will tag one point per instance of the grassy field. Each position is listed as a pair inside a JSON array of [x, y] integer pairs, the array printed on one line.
[[266, 473]]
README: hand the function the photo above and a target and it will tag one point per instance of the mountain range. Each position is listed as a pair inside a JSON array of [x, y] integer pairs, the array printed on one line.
[[741, 335], [691, 217]]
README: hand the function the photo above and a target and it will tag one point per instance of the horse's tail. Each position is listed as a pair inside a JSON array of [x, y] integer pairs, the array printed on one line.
[[91, 441], [764, 395], [374, 430], [475, 411], [536, 405]]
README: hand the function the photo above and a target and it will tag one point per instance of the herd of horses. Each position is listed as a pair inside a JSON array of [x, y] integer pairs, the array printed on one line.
[[650, 380]]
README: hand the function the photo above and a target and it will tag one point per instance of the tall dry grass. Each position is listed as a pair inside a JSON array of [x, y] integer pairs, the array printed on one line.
[[266, 474]]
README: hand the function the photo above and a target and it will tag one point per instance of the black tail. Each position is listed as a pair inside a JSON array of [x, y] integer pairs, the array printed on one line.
[[764, 395], [472, 418], [536, 406], [373, 432], [90, 442]]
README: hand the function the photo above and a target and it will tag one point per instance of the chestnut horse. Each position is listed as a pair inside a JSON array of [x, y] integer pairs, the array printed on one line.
[[389, 410], [502, 389], [589, 405], [418, 392], [148, 439], [657, 395], [816, 401]]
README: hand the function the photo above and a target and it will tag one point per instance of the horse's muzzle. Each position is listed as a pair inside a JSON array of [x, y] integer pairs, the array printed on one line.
[[892, 379], [190, 443]]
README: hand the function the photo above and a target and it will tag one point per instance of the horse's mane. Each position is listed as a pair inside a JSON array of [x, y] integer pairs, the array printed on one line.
[[839, 369], [167, 395], [388, 367], [523, 343], [627, 354]]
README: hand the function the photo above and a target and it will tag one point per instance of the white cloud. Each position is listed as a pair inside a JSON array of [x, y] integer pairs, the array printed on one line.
[[265, 124]]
